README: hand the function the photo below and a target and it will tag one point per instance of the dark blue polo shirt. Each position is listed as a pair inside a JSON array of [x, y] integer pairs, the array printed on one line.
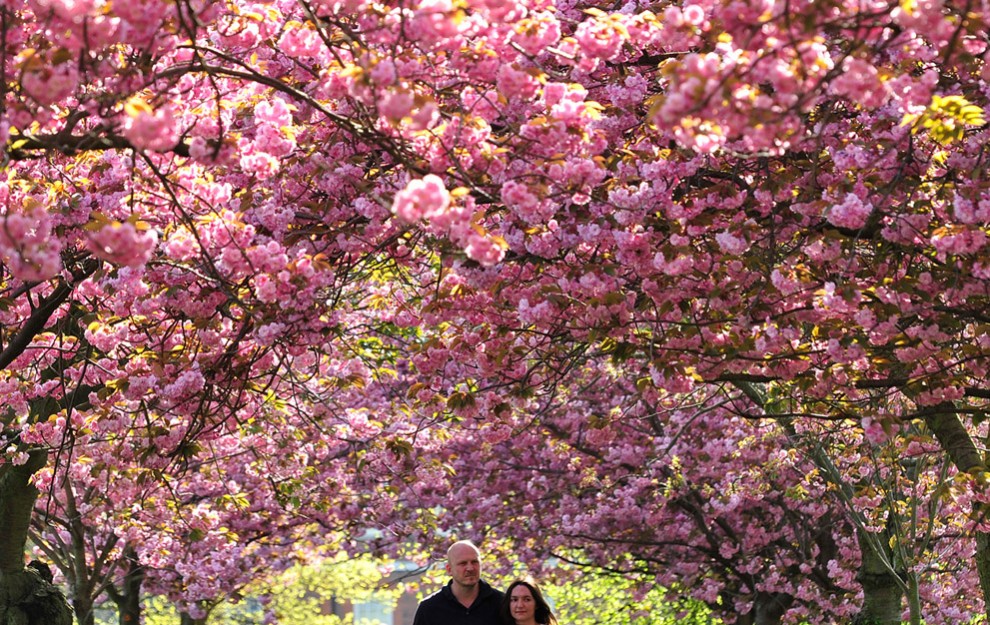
[[443, 608]]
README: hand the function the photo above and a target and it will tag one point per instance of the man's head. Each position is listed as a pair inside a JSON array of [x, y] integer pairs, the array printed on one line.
[[464, 564]]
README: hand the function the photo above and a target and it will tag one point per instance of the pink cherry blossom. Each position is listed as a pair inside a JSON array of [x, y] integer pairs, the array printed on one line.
[[154, 130], [722, 263], [851, 212], [422, 198], [860, 82]]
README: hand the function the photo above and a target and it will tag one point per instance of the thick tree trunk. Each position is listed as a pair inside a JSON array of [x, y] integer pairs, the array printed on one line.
[[983, 567], [27, 596], [962, 450], [882, 594], [17, 497]]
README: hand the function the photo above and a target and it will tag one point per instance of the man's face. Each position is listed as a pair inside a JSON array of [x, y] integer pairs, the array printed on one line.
[[464, 566]]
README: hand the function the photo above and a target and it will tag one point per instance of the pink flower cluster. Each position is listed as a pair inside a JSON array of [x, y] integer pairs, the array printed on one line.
[[50, 83], [423, 198], [432, 22], [300, 41], [123, 243], [602, 37], [967, 211], [396, 104], [428, 199], [537, 32], [860, 82], [273, 133], [154, 130], [524, 204], [27, 246], [852, 212], [72, 10], [515, 83]]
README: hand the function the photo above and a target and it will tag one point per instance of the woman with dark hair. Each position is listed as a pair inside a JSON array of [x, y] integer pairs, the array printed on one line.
[[523, 604]]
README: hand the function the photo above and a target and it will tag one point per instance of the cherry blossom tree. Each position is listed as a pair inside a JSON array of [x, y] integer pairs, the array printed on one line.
[[788, 197], [765, 520], [125, 318], [252, 502], [193, 537], [451, 207]]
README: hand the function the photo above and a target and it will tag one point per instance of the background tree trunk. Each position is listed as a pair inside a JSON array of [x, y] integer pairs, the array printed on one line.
[[82, 604], [128, 597], [82, 575], [768, 608], [882, 594], [188, 620]]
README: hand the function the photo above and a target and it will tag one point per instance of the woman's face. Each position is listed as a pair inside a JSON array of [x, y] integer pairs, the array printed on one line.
[[522, 606]]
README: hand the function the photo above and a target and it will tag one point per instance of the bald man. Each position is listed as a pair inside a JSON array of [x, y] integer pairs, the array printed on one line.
[[466, 599]]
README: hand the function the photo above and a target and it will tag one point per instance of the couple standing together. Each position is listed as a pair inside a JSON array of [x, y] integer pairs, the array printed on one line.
[[467, 600]]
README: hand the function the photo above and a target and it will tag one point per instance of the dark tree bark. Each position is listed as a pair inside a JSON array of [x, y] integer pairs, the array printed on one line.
[[768, 608], [955, 440], [882, 593], [128, 596], [188, 620], [27, 596], [882, 590]]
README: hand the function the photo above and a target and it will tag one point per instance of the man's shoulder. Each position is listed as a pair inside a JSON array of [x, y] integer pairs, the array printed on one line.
[[432, 608], [437, 596]]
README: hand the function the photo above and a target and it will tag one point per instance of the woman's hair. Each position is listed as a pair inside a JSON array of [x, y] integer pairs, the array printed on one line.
[[544, 615]]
